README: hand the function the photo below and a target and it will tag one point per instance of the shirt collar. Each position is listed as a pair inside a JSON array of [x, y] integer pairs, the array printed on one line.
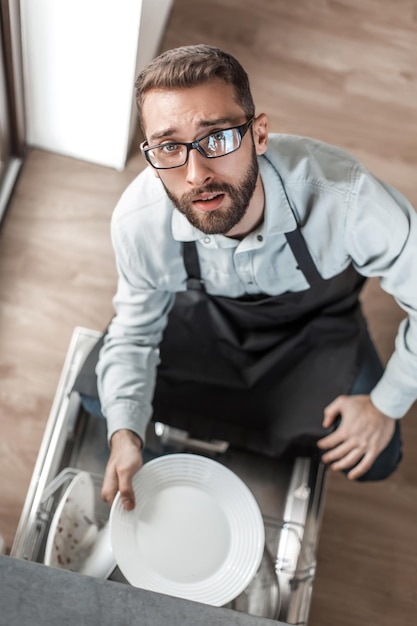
[[278, 217]]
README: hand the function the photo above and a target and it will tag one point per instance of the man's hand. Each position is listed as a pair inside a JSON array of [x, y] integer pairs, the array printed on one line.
[[362, 435], [125, 460]]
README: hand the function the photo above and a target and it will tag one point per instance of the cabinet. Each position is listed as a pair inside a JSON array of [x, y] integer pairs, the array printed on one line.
[[80, 61]]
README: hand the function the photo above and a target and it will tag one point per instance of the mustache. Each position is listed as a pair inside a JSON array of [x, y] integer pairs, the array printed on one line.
[[210, 188]]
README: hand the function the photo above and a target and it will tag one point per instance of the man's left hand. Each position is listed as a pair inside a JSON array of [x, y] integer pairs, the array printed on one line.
[[363, 433]]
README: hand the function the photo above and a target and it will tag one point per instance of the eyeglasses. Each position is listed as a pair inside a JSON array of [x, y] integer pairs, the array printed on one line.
[[168, 155]]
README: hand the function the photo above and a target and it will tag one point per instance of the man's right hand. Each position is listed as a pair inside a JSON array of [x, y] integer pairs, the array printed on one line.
[[125, 460]]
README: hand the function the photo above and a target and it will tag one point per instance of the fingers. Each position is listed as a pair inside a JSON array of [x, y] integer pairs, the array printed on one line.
[[127, 495], [343, 457], [355, 460], [120, 479], [331, 441], [348, 456], [125, 460], [110, 485], [332, 411], [339, 452], [361, 468]]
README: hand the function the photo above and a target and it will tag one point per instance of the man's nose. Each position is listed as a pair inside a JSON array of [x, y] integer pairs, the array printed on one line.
[[198, 169]]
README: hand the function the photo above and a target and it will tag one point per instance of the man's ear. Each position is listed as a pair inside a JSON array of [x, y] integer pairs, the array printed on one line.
[[260, 133]]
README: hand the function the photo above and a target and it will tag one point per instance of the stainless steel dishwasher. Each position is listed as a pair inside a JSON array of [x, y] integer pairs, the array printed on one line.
[[290, 494]]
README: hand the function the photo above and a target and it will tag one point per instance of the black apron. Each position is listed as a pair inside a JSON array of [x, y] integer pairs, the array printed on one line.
[[256, 371]]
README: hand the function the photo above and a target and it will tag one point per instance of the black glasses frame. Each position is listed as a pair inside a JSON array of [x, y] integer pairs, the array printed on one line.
[[195, 145]]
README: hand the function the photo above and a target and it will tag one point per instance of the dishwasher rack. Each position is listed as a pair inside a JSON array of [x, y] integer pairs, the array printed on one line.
[[290, 494]]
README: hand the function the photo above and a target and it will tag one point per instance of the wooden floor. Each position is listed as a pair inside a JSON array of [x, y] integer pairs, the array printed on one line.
[[340, 70]]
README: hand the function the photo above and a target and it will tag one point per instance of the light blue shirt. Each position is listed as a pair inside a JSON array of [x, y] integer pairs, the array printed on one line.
[[346, 216]]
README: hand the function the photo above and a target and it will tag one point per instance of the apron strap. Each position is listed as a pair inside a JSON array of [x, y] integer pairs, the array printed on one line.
[[305, 262], [299, 248], [192, 266]]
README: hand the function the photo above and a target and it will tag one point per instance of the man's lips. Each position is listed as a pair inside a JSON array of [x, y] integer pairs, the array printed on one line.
[[208, 201]]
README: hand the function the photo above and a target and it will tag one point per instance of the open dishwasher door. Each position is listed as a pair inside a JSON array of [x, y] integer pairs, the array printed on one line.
[[289, 493]]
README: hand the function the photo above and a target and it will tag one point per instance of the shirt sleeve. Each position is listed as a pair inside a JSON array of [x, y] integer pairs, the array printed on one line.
[[126, 370], [381, 238]]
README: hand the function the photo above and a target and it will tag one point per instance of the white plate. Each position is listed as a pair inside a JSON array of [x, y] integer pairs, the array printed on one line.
[[99, 561], [196, 531], [72, 530], [74, 541]]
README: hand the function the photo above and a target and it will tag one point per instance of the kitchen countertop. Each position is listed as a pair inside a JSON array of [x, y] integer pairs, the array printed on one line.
[[37, 595]]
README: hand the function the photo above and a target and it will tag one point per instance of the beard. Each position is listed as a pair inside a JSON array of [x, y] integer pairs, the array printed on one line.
[[219, 221]]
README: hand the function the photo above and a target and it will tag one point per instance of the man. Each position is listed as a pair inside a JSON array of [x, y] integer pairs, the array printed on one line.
[[240, 258]]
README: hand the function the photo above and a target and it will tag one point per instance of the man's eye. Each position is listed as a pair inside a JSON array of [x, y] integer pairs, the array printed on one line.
[[219, 136], [169, 148]]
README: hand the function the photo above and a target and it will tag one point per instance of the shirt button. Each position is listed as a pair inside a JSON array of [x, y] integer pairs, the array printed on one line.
[[259, 238], [207, 239]]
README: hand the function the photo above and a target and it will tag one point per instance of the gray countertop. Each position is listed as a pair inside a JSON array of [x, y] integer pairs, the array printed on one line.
[[37, 595]]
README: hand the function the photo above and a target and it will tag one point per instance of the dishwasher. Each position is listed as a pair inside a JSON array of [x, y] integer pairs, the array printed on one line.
[[289, 492]]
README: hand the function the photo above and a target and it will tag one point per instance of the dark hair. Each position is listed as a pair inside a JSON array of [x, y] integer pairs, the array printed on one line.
[[188, 66]]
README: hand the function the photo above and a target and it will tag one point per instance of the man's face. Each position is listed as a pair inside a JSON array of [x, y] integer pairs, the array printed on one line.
[[213, 194]]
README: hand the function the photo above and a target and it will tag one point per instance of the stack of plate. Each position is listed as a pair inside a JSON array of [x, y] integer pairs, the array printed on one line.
[[75, 541]]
